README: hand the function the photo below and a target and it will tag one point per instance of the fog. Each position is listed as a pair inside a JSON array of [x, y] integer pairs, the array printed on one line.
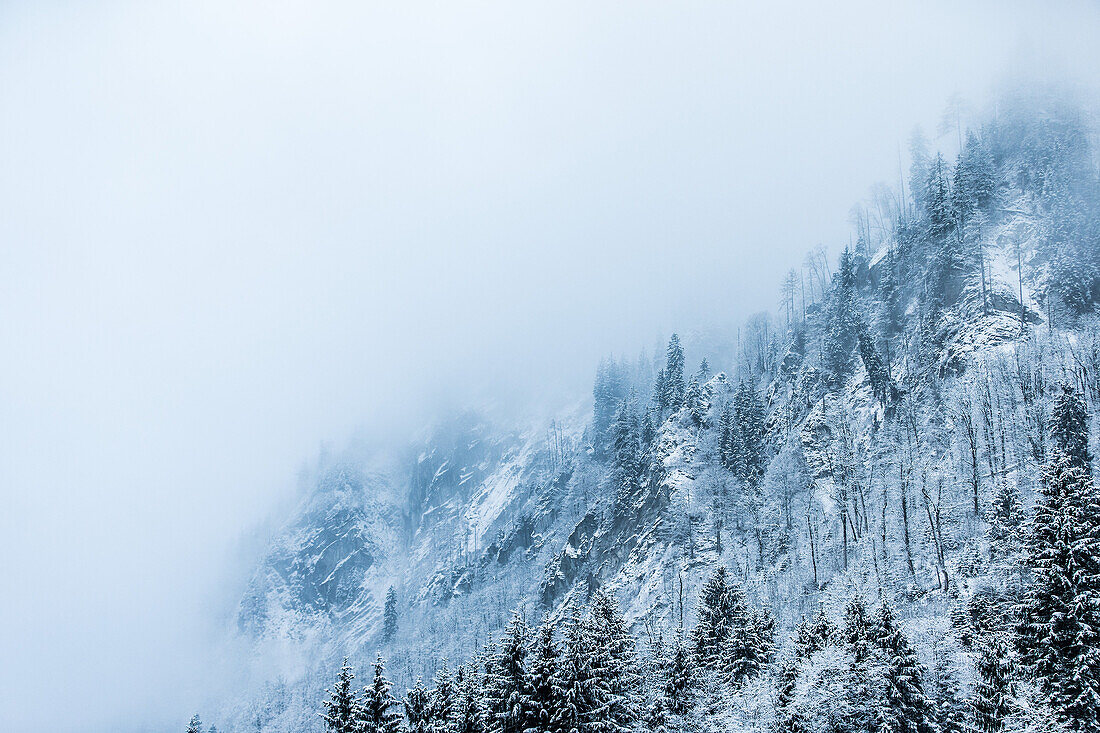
[[231, 233]]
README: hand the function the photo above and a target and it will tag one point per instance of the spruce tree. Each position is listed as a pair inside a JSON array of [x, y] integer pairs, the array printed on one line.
[[581, 707], [813, 636], [444, 700], [195, 726], [627, 452], [907, 709], [693, 401], [674, 374], [542, 681], [747, 649], [660, 393], [614, 663], [379, 705], [389, 616], [676, 695], [951, 706], [991, 693], [859, 633], [507, 699], [418, 709], [1061, 612], [840, 335], [342, 708], [750, 435], [469, 716], [720, 607]]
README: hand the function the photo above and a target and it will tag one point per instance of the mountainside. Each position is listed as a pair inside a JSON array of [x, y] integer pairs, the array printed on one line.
[[885, 437]]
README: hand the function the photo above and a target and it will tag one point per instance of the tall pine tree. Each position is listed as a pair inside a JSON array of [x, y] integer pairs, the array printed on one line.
[[342, 712], [1061, 613], [379, 706]]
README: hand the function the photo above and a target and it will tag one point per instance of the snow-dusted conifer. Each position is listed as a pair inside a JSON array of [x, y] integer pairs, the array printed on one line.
[[389, 616], [379, 706], [342, 712]]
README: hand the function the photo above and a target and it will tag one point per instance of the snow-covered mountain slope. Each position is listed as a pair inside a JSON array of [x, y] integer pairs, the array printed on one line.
[[881, 441]]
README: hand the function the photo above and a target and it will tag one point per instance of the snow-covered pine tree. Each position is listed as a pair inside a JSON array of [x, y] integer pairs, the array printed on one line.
[[859, 632], [676, 695], [721, 606], [195, 726], [418, 709], [992, 692], [542, 680], [342, 711], [469, 716], [614, 662], [693, 401], [1061, 613], [907, 708], [581, 702], [813, 636], [674, 374], [728, 448], [660, 393], [379, 707], [389, 616], [626, 452], [840, 329], [950, 705], [750, 439], [1004, 519], [507, 698], [444, 700]]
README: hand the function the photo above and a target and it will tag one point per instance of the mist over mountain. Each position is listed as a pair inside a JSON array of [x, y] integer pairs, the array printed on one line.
[[549, 368], [871, 510]]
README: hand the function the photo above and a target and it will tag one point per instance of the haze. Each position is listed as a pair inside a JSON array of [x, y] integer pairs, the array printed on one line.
[[233, 232]]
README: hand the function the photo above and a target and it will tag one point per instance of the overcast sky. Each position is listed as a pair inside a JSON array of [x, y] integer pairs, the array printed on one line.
[[231, 232]]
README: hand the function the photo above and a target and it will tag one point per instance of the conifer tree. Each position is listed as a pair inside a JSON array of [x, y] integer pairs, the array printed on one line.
[[721, 610], [675, 698], [750, 438], [389, 616], [581, 703], [627, 450], [1061, 613], [546, 696], [379, 713], [469, 717], [859, 633], [907, 709], [660, 393], [693, 401], [747, 649], [991, 693], [507, 699], [951, 706], [195, 726], [418, 709], [342, 712], [444, 700], [840, 335], [674, 374], [813, 636], [1004, 520], [614, 663]]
